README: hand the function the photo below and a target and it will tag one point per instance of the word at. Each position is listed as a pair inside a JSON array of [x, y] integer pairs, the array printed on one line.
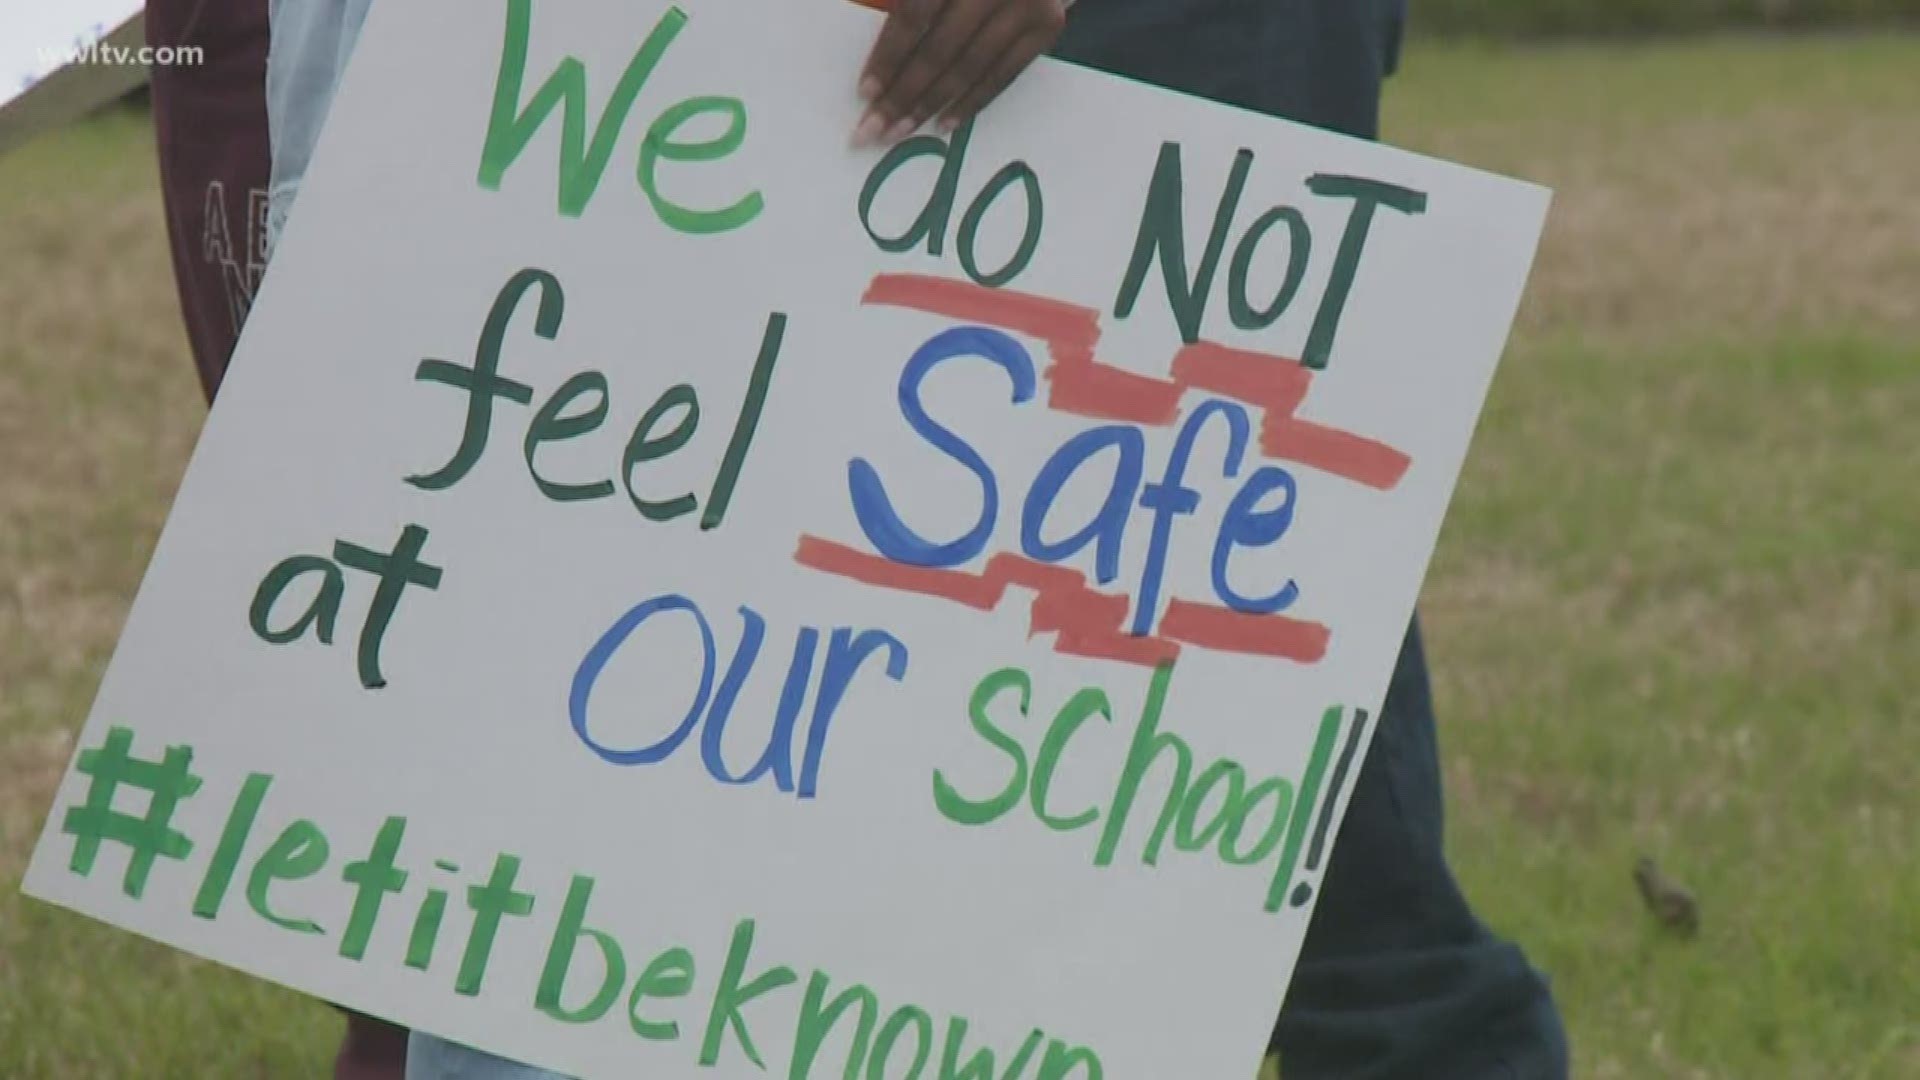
[[902, 1041], [1213, 809], [711, 710], [107, 54], [393, 570]]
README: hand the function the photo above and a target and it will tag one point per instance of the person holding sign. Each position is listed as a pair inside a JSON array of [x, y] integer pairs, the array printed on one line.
[[1397, 978]]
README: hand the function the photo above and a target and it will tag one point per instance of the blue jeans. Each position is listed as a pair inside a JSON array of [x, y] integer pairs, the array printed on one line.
[[1397, 977], [429, 1058]]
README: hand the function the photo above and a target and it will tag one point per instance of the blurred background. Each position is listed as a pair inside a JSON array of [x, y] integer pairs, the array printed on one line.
[[1675, 614]]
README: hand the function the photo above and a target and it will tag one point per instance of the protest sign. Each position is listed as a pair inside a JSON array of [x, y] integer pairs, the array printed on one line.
[[664, 593]]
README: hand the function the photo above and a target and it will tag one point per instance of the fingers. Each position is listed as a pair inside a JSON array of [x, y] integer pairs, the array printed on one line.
[[905, 25], [1000, 74], [949, 58], [944, 31], [990, 49]]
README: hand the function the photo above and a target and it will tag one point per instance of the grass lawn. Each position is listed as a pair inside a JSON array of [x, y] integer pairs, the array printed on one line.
[[1676, 609]]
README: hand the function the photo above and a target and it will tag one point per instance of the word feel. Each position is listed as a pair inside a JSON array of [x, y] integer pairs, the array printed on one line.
[[581, 405]]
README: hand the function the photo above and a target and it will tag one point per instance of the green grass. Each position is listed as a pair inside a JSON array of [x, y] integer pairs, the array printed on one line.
[[1561, 17], [1676, 609]]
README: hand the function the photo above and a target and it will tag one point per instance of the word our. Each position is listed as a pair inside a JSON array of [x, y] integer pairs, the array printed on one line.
[[870, 1038], [711, 710]]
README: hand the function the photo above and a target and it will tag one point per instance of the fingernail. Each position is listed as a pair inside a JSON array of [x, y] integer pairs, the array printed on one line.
[[901, 129], [868, 130], [948, 124], [869, 88]]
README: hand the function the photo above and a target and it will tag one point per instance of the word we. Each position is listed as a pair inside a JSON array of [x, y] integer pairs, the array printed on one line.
[[583, 161]]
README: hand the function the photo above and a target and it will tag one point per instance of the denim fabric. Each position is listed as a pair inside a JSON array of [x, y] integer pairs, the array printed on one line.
[[1398, 978], [311, 42], [429, 1058]]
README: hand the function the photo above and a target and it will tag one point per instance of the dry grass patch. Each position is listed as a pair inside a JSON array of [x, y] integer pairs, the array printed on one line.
[[30, 770], [1758, 186], [1818, 223]]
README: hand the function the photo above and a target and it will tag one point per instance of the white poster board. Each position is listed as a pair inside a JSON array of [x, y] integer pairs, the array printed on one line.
[[979, 673]]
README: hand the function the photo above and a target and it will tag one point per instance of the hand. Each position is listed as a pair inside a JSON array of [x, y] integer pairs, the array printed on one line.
[[949, 58]]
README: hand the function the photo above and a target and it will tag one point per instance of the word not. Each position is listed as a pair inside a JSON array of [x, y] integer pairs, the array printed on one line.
[[582, 163], [930, 225], [1163, 234], [1258, 515], [1188, 815], [394, 570], [582, 403], [902, 1041], [711, 710]]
